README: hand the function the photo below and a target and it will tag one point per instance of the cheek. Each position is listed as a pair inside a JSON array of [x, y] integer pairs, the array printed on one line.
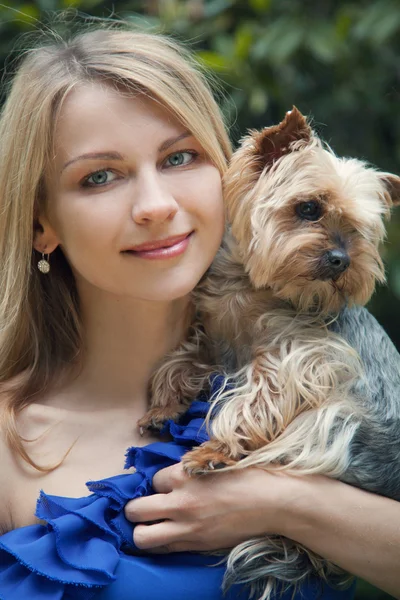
[[88, 240], [85, 230], [208, 200]]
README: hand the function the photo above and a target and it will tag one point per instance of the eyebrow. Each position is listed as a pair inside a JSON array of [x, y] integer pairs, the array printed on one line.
[[117, 156], [173, 140], [94, 155]]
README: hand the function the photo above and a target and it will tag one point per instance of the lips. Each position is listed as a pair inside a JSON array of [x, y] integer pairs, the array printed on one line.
[[156, 244]]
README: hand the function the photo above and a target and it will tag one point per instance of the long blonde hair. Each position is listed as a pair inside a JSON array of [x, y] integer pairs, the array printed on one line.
[[40, 329]]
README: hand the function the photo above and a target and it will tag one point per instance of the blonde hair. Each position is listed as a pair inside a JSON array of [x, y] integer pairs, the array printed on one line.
[[40, 329]]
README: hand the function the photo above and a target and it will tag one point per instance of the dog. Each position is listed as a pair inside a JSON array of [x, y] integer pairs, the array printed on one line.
[[312, 381]]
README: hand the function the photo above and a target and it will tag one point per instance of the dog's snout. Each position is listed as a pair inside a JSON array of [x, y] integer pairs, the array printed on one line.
[[332, 264], [338, 259]]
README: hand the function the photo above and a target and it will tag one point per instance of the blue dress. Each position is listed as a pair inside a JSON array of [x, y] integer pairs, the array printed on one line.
[[84, 551]]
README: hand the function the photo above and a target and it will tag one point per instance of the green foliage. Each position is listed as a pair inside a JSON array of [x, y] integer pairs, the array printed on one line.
[[336, 60]]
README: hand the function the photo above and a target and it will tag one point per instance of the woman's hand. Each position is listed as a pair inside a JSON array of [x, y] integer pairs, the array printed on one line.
[[356, 530], [215, 511]]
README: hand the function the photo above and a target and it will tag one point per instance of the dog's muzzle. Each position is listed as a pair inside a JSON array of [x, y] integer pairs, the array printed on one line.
[[332, 264]]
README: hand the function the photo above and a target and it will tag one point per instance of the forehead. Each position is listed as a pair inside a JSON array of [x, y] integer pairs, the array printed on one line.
[[346, 183], [349, 189], [98, 117]]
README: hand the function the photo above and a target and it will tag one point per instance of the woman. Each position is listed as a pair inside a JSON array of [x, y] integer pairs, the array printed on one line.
[[112, 154]]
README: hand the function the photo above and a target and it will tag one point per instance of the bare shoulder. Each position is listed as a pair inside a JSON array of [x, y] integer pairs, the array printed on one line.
[[19, 481], [71, 445]]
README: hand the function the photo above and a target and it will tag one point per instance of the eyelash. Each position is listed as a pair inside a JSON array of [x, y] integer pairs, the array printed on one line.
[[86, 183], [193, 154]]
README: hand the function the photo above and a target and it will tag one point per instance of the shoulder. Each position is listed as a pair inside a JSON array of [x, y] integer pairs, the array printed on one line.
[[20, 482]]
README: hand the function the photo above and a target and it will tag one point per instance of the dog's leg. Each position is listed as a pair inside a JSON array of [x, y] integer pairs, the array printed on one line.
[[284, 380], [247, 418], [177, 382], [206, 458]]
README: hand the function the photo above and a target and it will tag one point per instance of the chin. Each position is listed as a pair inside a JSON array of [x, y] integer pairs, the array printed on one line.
[[172, 287]]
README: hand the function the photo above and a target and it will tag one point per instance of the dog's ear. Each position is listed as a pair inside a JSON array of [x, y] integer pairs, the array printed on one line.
[[392, 184], [273, 142]]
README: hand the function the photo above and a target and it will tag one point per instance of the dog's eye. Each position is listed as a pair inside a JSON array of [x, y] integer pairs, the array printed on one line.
[[311, 211]]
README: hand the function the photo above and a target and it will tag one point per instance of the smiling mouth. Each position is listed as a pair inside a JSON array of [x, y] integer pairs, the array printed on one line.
[[165, 243], [167, 248]]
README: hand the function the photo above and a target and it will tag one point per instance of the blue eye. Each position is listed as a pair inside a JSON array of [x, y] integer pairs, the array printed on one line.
[[99, 178], [178, 159]]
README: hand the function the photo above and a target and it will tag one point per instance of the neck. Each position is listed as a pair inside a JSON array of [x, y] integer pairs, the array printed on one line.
[[124, 341]]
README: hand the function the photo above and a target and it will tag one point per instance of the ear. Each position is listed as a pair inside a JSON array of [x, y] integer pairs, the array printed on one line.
[[392, 184], [273, 142], [45, 238]]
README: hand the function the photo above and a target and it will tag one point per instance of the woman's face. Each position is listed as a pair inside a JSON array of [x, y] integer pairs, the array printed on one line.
[[133, 201]]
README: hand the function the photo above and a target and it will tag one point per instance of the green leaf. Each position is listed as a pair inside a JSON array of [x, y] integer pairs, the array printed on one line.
[[343, 24], [243, 41], [280, 41], [24, 16], [260, 5], [378, 22], [324, 43], [224, 45], [388, 25], [258, 101], [212, 8], [213, 60]]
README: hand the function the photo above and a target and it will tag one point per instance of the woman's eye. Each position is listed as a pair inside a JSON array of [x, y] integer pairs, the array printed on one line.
[[98, 178], [178, 159]]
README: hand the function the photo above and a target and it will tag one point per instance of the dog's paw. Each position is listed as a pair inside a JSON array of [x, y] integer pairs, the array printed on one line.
[[205, 459], [155, 419]]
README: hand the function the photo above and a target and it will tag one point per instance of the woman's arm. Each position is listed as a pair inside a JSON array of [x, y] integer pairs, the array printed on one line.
[[356, 530]]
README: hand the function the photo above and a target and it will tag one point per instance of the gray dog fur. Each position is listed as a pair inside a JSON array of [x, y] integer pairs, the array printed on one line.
[[375, 449]]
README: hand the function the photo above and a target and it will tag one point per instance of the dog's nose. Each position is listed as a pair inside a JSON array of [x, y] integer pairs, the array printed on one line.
[[332, 264], [337, 260]]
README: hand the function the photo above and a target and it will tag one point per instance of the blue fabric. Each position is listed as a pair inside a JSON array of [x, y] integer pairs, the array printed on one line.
[[81, 551]]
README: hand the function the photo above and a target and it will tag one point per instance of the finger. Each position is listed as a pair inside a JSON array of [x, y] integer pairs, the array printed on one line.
[[167, 479], [148, 508], [160, 535]]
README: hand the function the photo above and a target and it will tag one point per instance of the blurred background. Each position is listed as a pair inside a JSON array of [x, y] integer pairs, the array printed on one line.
[[337, 60]]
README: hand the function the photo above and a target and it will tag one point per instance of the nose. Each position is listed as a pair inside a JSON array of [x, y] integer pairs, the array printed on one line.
[[153, 202], [334, 263], [338, 259]]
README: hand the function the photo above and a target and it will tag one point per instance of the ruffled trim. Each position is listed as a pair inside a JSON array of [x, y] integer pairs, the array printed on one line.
[[77, 551]]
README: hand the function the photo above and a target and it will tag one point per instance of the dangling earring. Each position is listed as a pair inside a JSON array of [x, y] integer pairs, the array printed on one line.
[[44, 265]]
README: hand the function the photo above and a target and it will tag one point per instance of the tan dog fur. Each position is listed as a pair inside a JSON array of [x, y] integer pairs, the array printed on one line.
[[263, 315]]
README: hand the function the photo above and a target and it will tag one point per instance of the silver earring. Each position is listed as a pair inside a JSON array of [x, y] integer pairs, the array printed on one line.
[[44, 265]]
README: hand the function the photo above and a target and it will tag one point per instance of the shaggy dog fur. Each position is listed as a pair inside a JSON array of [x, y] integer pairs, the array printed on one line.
[[312, 384]]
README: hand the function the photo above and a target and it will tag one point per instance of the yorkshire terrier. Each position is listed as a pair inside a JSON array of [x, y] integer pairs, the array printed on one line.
[[312, 382]]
